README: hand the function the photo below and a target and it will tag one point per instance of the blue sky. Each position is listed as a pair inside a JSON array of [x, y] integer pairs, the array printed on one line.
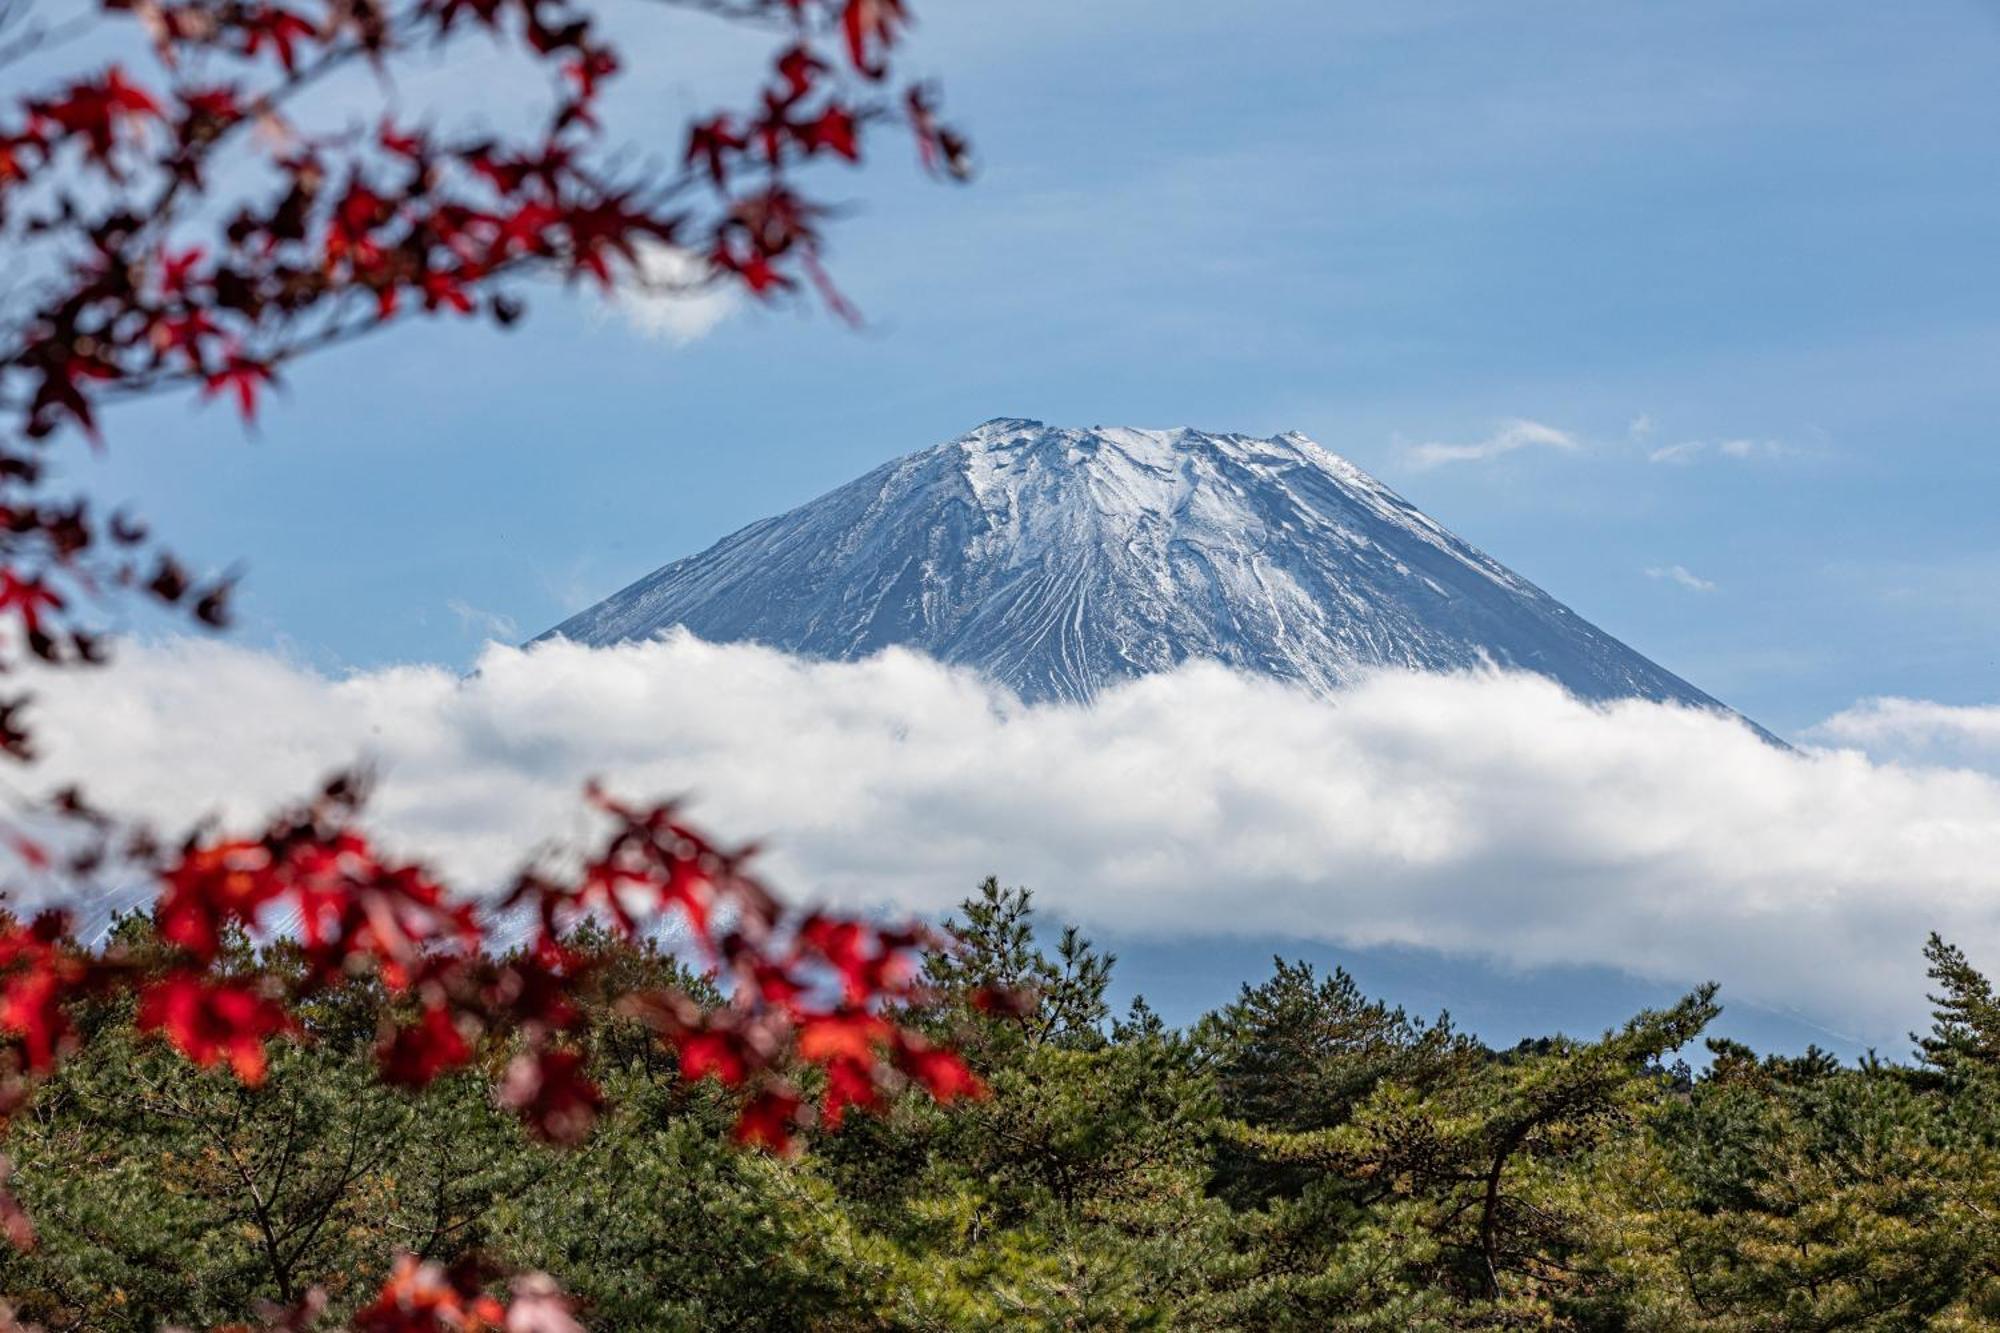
[[1758, 238]]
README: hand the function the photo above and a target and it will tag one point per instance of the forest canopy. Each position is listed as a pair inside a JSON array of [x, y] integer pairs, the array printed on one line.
[[1304, 1157]]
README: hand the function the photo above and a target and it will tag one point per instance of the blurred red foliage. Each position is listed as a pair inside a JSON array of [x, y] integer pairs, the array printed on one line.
[[187, 229]]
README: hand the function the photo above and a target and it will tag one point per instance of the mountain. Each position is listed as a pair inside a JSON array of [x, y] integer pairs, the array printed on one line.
[[1059, 561]]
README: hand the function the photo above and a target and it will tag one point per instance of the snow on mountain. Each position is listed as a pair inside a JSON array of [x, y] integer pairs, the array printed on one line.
[[1060, 560]]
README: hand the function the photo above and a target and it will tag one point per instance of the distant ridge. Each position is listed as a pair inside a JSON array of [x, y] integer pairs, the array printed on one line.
[[1059, 561]]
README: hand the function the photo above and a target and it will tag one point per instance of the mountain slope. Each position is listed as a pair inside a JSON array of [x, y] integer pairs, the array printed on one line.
[[1061, 560]]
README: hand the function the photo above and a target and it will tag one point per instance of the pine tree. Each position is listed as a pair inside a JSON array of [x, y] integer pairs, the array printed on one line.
[[1965, 1020]]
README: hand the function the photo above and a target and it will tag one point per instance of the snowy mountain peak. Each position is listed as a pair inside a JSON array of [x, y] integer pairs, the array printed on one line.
[[1059, 560], [1183, 483]]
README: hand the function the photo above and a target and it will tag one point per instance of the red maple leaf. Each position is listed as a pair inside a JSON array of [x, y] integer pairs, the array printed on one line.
[[833, 130], [244, 377], [279, 29], [589, 69], [538, 990], [705, 1051], [358, 214], [772, 982], [853, 1034], [526, 230], [185, 334], [422, 1297], [548, 1090], [849, 1083], [413, 145], [31, 1007], [415, 1055], [27, 598], [798, 67], [63, 373], [870, 962], [652, 864], [448, 289], [175, 269], [352, 907], [938, 148], [37, 980], [768, 1120], [18, 154], [940, 1071], [870, 28], [96, 110], [711, 143], [211, 888], [220, 104], [611, 227], [213, 1020]]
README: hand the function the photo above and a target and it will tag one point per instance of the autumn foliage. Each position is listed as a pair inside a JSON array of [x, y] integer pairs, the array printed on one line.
[[189, 217], [803, 992]]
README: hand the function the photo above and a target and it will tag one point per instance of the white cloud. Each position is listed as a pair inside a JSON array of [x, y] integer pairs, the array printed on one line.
[[1689, 451], [1917, 730], [673, 296], [1682, 575], [1484, 815], [1685, 452], [491, 624], [1512, 436]]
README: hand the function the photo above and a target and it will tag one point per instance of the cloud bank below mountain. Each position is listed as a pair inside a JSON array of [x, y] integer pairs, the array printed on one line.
[[1485, 815]]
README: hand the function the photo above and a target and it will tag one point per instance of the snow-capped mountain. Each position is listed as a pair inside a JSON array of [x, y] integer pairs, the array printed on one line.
[[1061, 560]]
